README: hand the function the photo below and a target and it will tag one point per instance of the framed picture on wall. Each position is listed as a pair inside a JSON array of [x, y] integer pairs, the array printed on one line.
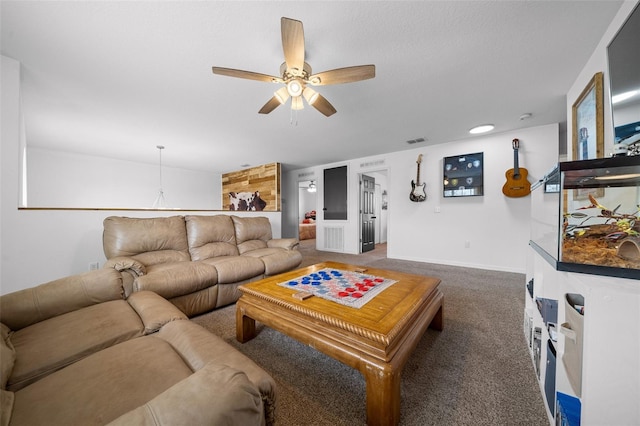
[[463, 175], [588, 121]]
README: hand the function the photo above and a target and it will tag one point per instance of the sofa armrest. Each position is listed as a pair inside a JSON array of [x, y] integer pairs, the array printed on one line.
[[154, 311], [213, 395], [32, 305], [126, 264], [285, 243]]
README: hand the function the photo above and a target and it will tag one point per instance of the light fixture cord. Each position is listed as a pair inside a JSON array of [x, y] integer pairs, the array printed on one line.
[[160, 201], [160, 152], [294, 115]]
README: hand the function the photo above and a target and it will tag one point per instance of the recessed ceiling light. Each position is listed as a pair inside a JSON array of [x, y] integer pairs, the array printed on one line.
[[482, 129]]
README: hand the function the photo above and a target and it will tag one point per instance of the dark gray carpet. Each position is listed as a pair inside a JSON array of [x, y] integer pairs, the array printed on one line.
[[477, 371]]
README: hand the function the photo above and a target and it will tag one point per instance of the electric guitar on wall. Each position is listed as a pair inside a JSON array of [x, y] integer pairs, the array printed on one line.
[[517, 184], [417, 189]]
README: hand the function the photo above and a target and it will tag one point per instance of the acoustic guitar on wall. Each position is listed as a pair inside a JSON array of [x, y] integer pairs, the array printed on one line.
[[418, 189], [517, 184]]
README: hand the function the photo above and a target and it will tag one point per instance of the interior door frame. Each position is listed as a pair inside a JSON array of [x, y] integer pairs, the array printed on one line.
[[383, 171], [361, 213]]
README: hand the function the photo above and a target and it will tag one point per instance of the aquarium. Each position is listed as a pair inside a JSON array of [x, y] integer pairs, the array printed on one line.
[[599, 230]]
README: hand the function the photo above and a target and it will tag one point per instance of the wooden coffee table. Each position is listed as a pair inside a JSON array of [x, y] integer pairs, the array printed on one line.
[[376, 339]]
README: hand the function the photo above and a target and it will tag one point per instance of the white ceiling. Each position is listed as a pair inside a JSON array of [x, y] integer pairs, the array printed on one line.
[[117, 78]]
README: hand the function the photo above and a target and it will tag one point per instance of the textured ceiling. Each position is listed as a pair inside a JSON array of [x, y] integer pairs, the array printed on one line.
[[118, 78]]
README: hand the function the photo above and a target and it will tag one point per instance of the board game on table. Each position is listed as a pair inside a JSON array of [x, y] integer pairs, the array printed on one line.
[[349, 288]]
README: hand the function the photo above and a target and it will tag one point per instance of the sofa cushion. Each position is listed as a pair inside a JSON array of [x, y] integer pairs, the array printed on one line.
[[29, 306], [230, 399], [210, 236], [103, 386], [148, 240], [47, 346], [199, 302], [276, 260], [232, 269], [7, 356], [176, 279], [251, 232]]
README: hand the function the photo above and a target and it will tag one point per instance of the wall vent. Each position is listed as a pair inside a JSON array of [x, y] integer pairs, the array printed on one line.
[[306, 174], [334, 238], [372, 163], [412, 141]]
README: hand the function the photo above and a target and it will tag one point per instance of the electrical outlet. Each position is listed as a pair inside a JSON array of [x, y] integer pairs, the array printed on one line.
[[93, 266], [437, 209], [467, 244]]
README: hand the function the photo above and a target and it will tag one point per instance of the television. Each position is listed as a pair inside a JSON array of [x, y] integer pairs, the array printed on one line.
[[463, 175]]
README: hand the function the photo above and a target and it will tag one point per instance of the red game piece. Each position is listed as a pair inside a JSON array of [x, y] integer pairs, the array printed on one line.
[[343, 294], [356, 295]]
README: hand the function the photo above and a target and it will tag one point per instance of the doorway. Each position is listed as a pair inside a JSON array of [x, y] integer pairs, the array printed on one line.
[[373, 218], [307, 206], [367, 213]]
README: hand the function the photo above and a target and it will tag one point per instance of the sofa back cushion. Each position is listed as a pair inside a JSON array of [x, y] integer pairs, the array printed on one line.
[[29, 306], [148, 240], [211, 236], [251, 232]]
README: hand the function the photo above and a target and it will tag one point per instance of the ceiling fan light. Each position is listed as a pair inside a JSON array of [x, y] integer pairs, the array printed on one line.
[[310, 95], [296, 103], [294, 87], [282, 95]]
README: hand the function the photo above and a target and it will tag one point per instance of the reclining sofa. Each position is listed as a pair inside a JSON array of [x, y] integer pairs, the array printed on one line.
[[195, 262], [77, 351]]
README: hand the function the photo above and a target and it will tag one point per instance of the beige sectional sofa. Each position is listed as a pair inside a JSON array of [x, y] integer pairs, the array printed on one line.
[[80, 351], [195, 262]]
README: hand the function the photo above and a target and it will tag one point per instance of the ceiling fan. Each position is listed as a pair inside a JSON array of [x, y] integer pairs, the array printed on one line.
[[296, 74]]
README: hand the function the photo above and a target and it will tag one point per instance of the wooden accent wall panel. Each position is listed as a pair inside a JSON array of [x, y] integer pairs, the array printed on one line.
[[257, 188]]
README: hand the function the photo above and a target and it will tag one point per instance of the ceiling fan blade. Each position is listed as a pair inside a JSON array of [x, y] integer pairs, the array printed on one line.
[[322, 104], [230, 72], [272, 104], [293, 44], [343, 75]]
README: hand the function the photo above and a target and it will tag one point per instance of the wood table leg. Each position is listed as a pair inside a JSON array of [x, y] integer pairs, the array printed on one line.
[[383, 394], [245, 326], [437, 323]]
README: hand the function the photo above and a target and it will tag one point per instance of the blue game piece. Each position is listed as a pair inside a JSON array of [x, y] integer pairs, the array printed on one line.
[[315, 282], [293, 282]]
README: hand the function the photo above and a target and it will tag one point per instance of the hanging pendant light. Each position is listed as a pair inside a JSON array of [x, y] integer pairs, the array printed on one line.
[[160, 202]]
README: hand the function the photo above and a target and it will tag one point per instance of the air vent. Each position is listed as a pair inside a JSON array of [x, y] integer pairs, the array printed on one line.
[[306, 174], [372, 163], [334, 238], [412, 141]]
